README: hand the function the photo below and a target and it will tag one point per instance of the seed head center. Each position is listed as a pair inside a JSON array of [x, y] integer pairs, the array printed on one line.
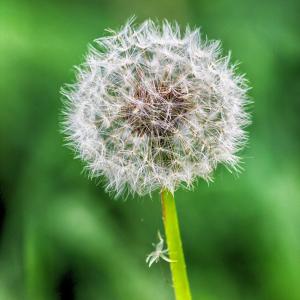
[[157, 111]]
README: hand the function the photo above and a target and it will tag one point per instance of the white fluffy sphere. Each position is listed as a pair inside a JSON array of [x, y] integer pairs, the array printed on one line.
[[155, 108]]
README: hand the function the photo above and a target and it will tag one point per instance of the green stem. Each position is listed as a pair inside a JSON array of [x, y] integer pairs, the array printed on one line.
[[178, 268]]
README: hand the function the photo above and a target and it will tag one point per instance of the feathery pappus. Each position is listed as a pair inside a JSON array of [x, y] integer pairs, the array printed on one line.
[[155, 107]]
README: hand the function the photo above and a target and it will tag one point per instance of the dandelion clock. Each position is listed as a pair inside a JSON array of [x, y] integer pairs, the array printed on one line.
[[152, 109]]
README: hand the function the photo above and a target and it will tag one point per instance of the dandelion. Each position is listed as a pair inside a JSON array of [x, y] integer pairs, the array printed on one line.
[[154, 108]]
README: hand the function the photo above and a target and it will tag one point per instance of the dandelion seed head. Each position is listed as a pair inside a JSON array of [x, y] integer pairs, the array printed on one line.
[[153, 107]]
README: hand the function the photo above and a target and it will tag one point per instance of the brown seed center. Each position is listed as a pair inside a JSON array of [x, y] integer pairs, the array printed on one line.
[[157, 112]]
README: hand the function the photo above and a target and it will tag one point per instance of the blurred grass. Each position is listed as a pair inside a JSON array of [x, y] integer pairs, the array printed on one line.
[[61, 235]]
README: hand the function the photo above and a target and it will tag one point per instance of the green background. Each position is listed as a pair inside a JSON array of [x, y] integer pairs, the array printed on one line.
[[63, 237]]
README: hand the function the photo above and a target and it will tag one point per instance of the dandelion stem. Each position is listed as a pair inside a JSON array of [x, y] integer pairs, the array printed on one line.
[[178, 267]]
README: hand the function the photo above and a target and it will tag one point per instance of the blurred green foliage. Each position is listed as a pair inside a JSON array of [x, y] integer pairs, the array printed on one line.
[[63, 237]]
